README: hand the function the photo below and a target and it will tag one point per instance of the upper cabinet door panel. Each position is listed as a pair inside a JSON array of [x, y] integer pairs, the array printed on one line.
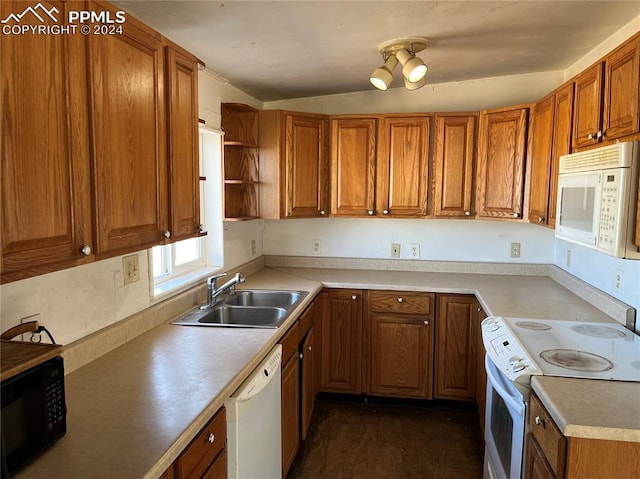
[[353, 166], [128, 130], [402, 167], [453, 166], [501, 162], [183, 136], [561, 143], [622, 70], [306, 166], [587, 106], [45, 212], [540, 161]]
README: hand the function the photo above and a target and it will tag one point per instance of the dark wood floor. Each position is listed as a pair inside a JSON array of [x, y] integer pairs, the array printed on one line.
[[354, 439]]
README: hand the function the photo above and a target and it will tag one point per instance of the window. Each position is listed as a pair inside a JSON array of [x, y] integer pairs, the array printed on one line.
[[178, 265]]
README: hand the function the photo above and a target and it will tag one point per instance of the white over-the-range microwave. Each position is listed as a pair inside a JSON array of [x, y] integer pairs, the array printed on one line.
[[597, 199]]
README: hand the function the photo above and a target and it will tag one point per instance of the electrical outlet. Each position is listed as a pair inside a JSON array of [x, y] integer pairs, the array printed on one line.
[[395, 250], [515, 250], [568, 261], [253, 247], [316, 247], [28, 319], [131, 268], [618, 282], [414, 250]]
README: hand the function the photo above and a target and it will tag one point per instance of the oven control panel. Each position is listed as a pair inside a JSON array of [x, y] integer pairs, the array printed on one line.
[[504, 349]]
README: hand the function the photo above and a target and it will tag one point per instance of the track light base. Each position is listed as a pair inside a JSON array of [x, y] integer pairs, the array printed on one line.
[[412, 44]]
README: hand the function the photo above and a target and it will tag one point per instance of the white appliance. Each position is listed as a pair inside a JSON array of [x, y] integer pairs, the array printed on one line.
[[597, 198], [519, 348], [254, 428]]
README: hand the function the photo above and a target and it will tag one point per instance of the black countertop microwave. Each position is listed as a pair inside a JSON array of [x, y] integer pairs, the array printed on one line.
[[33, 413]]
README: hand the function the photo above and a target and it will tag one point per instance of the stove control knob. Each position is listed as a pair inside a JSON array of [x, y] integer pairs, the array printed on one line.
[[518, 366]]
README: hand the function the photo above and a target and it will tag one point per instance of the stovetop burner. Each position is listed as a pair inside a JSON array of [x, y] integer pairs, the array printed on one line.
[[533, 325], [598, 331], [576, 360]]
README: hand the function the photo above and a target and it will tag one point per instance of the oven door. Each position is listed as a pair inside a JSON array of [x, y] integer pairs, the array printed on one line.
[[504, 426]]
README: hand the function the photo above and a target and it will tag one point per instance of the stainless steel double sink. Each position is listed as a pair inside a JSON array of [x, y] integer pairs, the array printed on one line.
[[256, 308]]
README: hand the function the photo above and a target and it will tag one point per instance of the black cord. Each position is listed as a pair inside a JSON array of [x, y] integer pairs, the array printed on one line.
[[41, 329]]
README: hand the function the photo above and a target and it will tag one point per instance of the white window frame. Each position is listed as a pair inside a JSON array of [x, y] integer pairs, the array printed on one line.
[[178, 278]]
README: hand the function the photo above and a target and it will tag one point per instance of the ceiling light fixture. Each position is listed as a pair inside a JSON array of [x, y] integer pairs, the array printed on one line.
[[401, 50]]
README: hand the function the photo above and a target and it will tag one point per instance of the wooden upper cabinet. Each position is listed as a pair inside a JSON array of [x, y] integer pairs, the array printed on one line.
[[45, 214], [453, 165], [183, 138], [353, 166], [607, 97], [502, 148], [540, 157], [402, 166], [622, 86], [587, 113], [563, 116], [294, 164], [128, 134]]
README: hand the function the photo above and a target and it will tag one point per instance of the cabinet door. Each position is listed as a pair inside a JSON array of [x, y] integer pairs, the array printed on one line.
[[402, 166], [561, 144], [542, 128], [622, 80], [501, 162], [342, 341], [128, 135], [353, 166], [308, 396], [453, 166], [45, 214], [183, 138], [536, 465], [306, 167], [400, 352], [455, 362], [290, 412], [587, 112]]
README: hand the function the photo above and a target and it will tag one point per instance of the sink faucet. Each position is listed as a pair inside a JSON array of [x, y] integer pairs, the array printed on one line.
[[214, 294]]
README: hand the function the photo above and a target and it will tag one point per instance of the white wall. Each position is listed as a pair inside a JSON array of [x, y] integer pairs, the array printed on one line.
[[439, 240]]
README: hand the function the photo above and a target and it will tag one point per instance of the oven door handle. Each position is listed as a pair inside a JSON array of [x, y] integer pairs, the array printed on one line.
[[513, 402]]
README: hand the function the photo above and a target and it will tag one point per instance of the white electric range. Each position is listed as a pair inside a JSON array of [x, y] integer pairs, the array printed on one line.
[[519, 348]]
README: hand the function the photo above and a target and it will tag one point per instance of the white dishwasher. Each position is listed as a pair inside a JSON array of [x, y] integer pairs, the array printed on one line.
[[254, 428]]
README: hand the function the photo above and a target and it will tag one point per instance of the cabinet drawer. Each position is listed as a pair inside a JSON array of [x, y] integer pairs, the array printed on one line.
[[201, 453], [401, 302], [290, 342], [548, 436]]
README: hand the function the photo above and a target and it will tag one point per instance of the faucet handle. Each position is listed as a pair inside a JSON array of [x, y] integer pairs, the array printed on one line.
[[240, 278], [211, 281]]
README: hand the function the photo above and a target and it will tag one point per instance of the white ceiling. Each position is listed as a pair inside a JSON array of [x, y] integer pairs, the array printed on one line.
[[276, 50]]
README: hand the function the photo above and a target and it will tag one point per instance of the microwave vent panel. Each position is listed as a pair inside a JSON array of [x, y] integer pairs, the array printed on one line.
[[615, 156]]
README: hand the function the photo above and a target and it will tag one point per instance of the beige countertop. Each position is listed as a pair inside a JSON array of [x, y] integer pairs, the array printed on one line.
[[133, 410], [591, 408]]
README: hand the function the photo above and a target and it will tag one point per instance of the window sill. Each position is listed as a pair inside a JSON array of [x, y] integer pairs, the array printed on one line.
[[181, 283]]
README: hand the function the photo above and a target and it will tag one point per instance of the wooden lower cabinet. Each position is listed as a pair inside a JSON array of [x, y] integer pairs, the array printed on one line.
[[309, 357], [481, 372], [455, 358], [400, 344], [536, 466], [290, 412], [342, 341], [206, 456]]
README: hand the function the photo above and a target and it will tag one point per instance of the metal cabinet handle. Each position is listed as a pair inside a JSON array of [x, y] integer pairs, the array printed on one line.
[[211, 438], [385, 212], [426, 323], [354, 297], [516, 215], [323, 212], [590, 136], [86, 250], [400, 300], [309, 348], [599, 135], [540, 219], [539, 421], [467, 213], [201, 228], [167, 234], [370, 212]]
